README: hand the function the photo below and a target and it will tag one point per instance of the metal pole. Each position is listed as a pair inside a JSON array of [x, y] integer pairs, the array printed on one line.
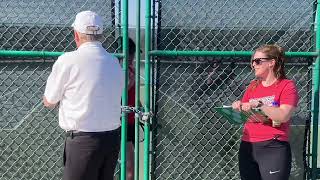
[[124, 117], [9, 53], [41, 54], [155, 69], [147, 88], [137, 95], [224, 53], [315, 107]]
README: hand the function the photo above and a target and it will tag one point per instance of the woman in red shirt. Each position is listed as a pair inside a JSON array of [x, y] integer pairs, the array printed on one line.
[[265, 152], [131, 116]]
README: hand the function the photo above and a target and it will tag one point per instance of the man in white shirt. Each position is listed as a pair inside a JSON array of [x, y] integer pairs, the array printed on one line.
[[87, 84]]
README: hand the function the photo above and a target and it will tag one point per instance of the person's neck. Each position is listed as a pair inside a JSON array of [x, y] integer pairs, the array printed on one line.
[[83, 42], [268, 81]]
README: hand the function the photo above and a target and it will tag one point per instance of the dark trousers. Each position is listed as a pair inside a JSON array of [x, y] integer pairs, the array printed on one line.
[[267, 160], [91, 156], [130, 133]]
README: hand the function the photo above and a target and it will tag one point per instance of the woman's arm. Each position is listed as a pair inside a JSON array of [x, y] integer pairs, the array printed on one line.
[[288, 103], [282, 113]]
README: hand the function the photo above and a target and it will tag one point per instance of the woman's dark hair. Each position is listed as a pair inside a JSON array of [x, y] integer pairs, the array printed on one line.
[[132, 45]]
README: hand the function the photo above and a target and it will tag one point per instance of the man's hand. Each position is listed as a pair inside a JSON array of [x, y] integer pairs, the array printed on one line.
[[47, 104]]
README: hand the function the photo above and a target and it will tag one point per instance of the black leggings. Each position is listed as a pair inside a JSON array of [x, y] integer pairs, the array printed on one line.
[[267, 160]]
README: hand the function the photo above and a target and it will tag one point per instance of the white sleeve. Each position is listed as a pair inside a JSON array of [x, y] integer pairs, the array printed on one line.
[[56, 82]]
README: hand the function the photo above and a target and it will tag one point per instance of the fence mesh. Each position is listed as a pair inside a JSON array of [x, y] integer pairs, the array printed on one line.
[[31, 141], [191, 140], [235, 25], [46, 25]]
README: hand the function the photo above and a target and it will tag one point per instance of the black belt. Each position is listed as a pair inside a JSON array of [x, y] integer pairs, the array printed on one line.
[[73, 133]]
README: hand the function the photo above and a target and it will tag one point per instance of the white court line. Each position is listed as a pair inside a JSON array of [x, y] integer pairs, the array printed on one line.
[[24, 118]]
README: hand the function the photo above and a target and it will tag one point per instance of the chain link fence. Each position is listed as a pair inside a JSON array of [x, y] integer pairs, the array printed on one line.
[[42, 25], [31, 141], [235, 25], [192, 141]]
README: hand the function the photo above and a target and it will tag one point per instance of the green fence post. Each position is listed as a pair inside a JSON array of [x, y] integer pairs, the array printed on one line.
[[315, 106], [137, 95], [147, 88], [125, 90]]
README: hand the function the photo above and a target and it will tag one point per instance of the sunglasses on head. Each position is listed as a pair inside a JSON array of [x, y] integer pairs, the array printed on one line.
[[260, 60]]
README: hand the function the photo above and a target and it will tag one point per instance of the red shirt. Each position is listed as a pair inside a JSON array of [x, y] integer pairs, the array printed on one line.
[[281, 92], [131, 94], [131, 102]]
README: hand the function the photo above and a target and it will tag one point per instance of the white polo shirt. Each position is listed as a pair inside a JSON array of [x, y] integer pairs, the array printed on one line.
[[88, 83]]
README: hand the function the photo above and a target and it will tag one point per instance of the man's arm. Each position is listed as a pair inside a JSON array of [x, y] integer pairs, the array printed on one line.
[[56, 83]]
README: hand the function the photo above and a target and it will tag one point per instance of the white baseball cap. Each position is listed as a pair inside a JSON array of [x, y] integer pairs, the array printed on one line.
[[88, 22]]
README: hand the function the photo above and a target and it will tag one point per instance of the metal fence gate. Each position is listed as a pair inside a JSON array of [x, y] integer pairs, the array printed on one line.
[[31, 141], [192, 140]]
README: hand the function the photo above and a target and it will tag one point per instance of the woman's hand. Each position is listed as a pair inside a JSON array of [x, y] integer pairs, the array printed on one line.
[[256, 104], [250, 105], [237, 105], [246, 106]]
